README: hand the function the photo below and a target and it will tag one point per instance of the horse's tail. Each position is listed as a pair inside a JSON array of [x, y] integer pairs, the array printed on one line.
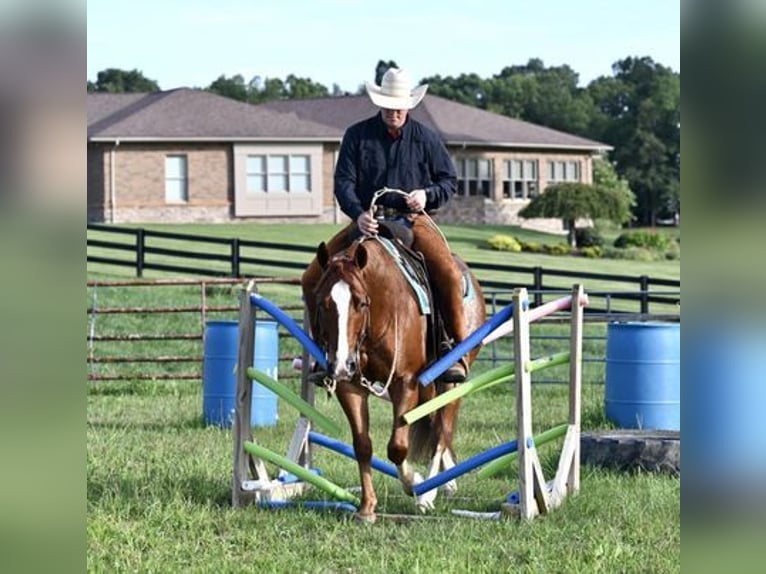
[[421, 440], [422, 435]]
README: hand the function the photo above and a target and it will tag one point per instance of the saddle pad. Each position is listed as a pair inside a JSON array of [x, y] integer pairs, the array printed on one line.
[[409, 273]]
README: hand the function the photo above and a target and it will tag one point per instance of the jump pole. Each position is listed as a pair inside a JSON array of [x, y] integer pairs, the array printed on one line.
[[497, 452], [304, 474], [432, 372], [486, 380], [347, 450], [295, 401]]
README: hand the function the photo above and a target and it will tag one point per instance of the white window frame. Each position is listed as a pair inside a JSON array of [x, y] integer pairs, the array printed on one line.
[[473, 184], [524, 186], [560, 171], [268, 173], [176, 178]]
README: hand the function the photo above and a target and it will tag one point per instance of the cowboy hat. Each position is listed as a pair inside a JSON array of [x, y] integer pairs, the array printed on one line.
[[394, 91]]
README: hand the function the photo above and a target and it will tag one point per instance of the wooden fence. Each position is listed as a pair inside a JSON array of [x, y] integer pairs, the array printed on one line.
[[180, 253]]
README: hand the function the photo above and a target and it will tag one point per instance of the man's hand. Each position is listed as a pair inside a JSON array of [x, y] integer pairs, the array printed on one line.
[[367, 224], [416, 199]]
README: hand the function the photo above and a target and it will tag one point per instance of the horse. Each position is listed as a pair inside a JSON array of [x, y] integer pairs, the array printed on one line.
[[371, 327]]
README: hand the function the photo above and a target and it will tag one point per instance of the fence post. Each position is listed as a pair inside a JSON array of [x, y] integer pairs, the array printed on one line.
[[235, 257], [644, 281], [140, 241], [538, 285]]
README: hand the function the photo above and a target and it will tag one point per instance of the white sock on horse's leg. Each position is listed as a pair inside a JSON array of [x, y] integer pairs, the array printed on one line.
[[425, 501], [450, 487]]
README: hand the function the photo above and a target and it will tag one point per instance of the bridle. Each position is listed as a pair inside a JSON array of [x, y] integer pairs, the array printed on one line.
[[374, 387]]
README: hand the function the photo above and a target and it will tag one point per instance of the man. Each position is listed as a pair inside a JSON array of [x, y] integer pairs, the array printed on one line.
[[393, 150]]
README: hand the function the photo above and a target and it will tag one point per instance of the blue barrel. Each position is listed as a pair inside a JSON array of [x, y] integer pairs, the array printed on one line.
[[219, 376], [643, 375]]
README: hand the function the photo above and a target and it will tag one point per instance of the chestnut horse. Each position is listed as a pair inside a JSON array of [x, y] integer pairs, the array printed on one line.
[[372, 330]]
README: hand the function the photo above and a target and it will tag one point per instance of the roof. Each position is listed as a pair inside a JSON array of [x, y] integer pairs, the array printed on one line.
[[186, 114], [196, 115], [458, 124]]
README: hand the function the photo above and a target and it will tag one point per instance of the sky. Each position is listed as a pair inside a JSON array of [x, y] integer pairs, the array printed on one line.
[[193, 42]]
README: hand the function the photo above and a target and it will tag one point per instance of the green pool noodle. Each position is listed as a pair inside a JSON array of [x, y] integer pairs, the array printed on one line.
[[294, 400], [505, 461], [486, 380], [304, 474]]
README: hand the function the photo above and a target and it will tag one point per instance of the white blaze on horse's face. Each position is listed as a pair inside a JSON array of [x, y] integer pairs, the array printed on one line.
[[341, 295]]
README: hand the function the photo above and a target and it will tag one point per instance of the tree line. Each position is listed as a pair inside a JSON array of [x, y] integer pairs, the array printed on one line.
[[636, 110]]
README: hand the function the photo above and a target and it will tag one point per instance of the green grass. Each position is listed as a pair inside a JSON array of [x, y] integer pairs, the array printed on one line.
[[159, 491]]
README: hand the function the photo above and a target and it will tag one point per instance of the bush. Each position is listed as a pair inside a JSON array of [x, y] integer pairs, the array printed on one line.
[[588, 237], [532, 247], [632, 254], [645, 239], [592, 252], [504, 243], [558, 249]]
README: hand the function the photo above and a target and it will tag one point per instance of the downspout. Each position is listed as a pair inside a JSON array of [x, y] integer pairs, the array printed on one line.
[[112, 180]]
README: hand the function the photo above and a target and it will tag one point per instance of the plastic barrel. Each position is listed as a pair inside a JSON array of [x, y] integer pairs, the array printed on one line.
[[219, 377], [643, 375]]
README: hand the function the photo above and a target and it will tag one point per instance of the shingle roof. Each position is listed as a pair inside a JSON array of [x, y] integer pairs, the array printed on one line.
[[457, 123], [191, 114], [199, 115]]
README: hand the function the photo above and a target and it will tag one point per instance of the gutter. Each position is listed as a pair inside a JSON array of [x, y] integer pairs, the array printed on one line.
[[112, 180]]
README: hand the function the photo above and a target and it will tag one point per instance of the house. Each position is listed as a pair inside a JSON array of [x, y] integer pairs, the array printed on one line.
[[188, 155]]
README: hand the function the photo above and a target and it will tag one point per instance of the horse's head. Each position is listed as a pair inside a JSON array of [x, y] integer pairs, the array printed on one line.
[[343, 309]]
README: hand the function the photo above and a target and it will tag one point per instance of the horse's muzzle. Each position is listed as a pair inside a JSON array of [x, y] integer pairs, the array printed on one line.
[[344, 371]]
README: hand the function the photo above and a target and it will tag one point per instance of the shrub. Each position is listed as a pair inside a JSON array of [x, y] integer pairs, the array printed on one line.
[[592, 252], [532, 247], [588, 237], [504, 243], [632, 254], [558, 249], [643, 238], [673, 252]]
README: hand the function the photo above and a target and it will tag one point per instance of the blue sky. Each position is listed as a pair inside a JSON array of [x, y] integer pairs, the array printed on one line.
[[193, 42]]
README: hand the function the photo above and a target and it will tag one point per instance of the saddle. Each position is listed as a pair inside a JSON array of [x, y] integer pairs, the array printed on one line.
[[400, 236]]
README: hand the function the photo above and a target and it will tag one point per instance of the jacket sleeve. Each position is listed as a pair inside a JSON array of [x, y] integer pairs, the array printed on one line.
[[443, 176], [346, 177]]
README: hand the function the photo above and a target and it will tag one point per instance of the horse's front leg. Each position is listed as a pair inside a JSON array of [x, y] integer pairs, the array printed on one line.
[[354, 404]]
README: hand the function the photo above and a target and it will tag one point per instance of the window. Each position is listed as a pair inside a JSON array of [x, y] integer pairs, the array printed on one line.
[[520, 179], [474, 177], [176, 179], [560, 171], [278, 173]]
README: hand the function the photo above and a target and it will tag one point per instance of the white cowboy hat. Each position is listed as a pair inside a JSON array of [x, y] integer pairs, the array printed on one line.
[[394, 91]]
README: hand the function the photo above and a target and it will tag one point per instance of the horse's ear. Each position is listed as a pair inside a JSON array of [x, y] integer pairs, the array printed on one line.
[[360, 256], [323, 256]]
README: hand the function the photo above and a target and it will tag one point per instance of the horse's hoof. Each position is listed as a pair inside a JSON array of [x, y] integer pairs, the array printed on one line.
[[425, 506], [365, 518], [450, 488]]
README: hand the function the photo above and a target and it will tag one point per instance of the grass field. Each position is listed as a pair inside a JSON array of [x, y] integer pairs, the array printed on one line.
[[159, 483]]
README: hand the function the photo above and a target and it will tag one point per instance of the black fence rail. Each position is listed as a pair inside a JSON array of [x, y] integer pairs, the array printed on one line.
[[181, 253]]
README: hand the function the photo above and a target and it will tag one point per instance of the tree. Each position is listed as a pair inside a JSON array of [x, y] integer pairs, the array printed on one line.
[[304, 88], [572, 201], [638, 112], [381, 68], [114, 80], [234, 88]]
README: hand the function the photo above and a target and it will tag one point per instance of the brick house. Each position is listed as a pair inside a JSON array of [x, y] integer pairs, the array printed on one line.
[[187, 155]]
